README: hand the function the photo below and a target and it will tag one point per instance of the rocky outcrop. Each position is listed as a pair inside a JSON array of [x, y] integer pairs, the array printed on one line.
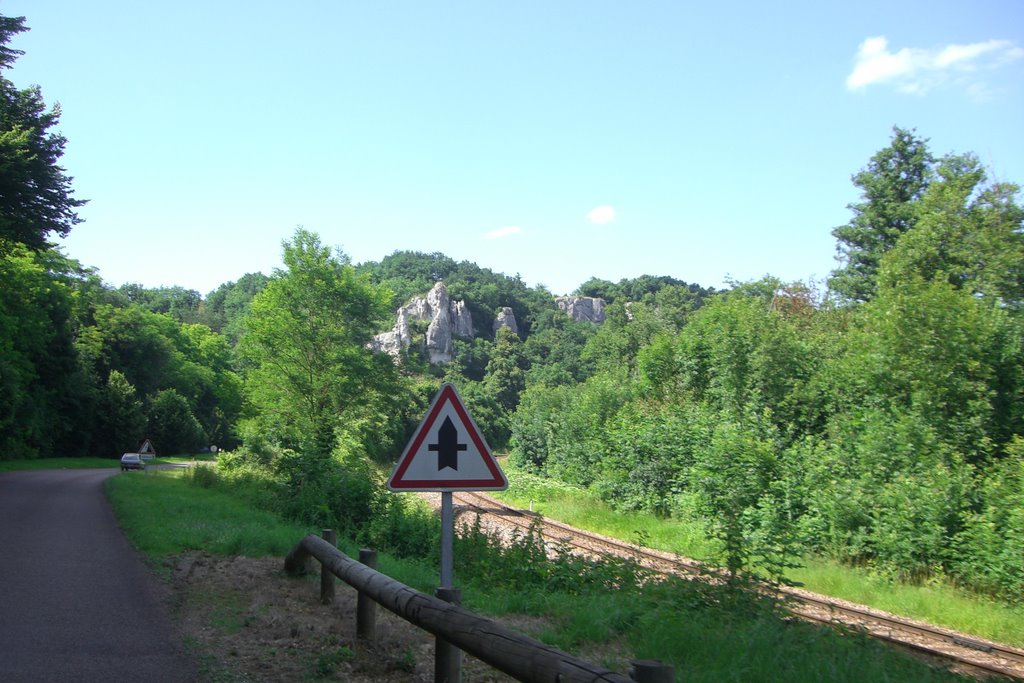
[[506, 318], [447, 320], [398, 338], [462, 320], [579, 308]]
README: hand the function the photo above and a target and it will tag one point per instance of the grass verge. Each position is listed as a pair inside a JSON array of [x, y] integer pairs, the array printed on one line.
[[58, 464], [164, 515], [938, 604], [706, 635]]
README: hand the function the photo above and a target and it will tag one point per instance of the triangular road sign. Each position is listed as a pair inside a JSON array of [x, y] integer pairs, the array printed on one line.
[[146, 450], [447, 452]]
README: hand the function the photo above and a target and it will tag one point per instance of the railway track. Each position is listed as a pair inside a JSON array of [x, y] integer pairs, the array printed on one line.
[[961, 651]]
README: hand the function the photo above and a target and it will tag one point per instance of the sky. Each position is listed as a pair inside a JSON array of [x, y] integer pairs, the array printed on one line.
[[557, 141]]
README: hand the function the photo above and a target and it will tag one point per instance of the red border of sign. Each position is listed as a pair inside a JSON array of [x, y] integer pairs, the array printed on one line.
[[447, 394]]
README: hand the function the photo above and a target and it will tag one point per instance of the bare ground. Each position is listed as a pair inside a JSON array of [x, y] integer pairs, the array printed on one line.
[[244, 619]]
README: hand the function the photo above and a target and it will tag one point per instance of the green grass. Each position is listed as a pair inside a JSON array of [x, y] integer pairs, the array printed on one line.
[[165, 515], [200, 457], [702, 645], [680, 623], [58, 464], [939, 604], [683, 623], [585, 510]]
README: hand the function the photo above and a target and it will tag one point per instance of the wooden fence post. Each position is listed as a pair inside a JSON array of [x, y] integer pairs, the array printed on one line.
[[524, 658], [366, 608], [651, 671], [326, 575], [447, 657]]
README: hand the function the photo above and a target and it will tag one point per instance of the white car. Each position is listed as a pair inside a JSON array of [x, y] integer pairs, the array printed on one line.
[[131, 461]]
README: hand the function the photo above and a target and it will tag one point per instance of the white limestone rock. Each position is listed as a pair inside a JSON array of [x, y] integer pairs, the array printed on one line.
[[462, 320], [396, 339], [447, 320], [505, 318], [579, 308]]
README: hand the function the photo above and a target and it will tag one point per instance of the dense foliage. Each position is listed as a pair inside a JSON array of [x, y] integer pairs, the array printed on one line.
[[886, 433]]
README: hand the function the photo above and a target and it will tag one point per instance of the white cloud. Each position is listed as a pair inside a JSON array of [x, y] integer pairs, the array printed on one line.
[[918, 70], [503, 232], [600, 215], [952, 54]]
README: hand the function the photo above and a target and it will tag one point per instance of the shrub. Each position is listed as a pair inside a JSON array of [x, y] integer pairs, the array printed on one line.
[[989, 550], [203, 476], [406, 527], [888, 492]]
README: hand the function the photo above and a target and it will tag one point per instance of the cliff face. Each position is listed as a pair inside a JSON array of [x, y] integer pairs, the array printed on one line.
[[506, 318], [579, 308], [447, 320]]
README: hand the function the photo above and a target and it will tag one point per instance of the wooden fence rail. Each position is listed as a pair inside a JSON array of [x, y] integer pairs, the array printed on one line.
[[506, 650]]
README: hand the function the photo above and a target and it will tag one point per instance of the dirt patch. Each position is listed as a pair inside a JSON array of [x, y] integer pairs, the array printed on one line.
[[246, 620]]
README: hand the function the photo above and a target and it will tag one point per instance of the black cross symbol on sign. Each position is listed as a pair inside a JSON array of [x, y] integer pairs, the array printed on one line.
[[447, 446]]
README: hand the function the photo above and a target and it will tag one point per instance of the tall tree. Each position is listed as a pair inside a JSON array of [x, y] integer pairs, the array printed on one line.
[[940, 354], [741, 353], [506, 372], [893, 181], [968, 233], [554, 349], [135, 342], [121, 419], [306, 337], [37, 358], [173, 427], [35, 191], [216, 390]]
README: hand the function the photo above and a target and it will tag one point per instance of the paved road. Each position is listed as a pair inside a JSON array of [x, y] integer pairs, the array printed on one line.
[[76, 602]]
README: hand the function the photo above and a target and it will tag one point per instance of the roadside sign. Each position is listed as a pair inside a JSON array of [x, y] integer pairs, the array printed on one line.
[[447, 452], [146, 450]]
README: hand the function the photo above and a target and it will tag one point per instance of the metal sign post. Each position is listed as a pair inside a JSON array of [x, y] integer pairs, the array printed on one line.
[[447, 657], [447, 539]]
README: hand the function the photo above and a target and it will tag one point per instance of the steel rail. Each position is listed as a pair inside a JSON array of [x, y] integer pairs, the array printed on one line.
[[488, 505], [918, 647]]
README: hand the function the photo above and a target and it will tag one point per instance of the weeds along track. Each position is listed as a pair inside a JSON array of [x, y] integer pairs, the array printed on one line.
[[962, 652]]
